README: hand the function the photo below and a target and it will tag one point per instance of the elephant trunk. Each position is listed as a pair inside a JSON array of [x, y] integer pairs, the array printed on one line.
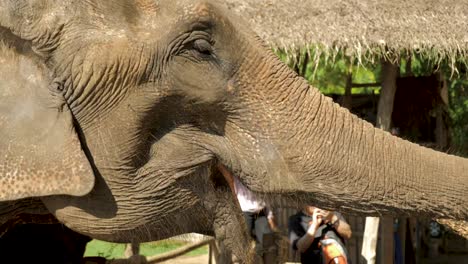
[[311, 147], [356, 164]]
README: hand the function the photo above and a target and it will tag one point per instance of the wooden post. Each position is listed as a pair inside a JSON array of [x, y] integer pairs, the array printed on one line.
[[304, 65], [387, 95], [387, 249], [441, 131], [210, 253], [132, 249], [402, 234], [408, 70], [369, 242], [132, 254], [301, 64], [347, 99], [384, 121]]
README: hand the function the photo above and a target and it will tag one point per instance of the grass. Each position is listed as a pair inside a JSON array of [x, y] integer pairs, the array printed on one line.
[[115, 250]]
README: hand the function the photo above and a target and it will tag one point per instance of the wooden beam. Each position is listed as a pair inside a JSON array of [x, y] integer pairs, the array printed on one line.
[[365, 85]]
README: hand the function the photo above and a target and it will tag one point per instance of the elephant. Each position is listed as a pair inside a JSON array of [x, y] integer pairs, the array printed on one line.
[[132, 111]]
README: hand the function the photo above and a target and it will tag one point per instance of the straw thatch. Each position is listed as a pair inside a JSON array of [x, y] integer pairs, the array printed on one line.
[[436, 28], [459, 227]]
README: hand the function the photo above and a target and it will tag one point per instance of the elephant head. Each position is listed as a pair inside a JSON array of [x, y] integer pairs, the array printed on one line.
[[147, 100]]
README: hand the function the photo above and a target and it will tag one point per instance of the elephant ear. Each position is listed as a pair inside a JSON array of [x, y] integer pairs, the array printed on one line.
[[38, 23], [40, 152]]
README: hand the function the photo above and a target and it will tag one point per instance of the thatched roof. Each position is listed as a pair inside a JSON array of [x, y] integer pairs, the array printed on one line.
[[459, 227], [437, 28]]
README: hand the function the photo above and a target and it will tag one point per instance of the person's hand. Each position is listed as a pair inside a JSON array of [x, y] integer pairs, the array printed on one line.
[[317, 219], [273, 226], [328, 216], [275, 229]]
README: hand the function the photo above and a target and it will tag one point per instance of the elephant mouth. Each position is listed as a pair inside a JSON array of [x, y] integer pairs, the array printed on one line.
[[222, 178], [227, 175], [225, 179]]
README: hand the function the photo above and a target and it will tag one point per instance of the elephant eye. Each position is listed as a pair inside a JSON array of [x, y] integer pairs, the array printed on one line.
[[57, 87], [203, 47]]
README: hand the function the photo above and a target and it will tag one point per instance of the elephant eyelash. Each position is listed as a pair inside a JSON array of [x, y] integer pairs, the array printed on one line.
[[203, 47], [200, 44]]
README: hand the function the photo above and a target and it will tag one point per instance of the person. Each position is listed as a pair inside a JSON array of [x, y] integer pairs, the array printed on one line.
[[312, 227]]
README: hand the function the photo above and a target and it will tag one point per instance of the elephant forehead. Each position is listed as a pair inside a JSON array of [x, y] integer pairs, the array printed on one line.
[[149, 6], [143, 21]]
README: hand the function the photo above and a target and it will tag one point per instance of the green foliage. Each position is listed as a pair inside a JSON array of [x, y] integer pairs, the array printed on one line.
[[458, 110], [104, 249], [329, 74], [115, 250]]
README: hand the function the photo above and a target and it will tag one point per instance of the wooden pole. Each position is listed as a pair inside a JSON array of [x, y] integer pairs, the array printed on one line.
[[408, 70], [365, 85], [402, 224], [369, 242], [132, 249], [441, 131], [348, 91], [384, 121], [387, 95]]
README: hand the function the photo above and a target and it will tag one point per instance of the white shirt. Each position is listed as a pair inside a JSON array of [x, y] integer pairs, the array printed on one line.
[[248, 201]]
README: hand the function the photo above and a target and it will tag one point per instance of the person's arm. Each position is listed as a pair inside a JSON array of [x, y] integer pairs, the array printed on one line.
[[306, 240], [341, 226], [271, 220]]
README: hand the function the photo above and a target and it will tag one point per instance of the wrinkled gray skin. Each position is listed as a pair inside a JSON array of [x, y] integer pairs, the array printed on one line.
[[158, 94]]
